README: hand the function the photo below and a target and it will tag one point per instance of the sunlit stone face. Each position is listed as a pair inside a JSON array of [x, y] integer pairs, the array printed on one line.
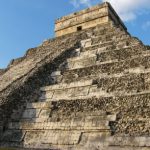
[[84, 19]]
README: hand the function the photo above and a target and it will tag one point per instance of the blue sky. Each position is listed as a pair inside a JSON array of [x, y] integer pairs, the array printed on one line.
[[27, 23]]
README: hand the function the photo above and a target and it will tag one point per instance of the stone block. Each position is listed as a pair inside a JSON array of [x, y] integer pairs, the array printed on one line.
[[93, 139], [83, 56], [39, 120], [80, 83], [39, 105], [129, 141], [74, 124], [89, 53], [72, 92], [62, 137], [33, 138], [30, 113], [77, 52], [67, 86], [112, 117], [45, 113], [56, 73], [95, 91], [82, 62], [56, 79], [47, 95], [86, 43], [14, 125], [13, 136], [54, 137]]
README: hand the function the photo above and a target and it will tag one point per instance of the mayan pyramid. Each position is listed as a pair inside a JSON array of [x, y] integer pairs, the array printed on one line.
[[86, 89]]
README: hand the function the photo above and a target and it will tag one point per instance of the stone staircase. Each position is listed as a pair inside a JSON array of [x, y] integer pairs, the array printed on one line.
[[92, 101]]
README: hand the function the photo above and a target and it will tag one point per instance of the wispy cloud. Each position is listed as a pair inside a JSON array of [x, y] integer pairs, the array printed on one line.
[[146, 25], [129, 9], [78, 3]]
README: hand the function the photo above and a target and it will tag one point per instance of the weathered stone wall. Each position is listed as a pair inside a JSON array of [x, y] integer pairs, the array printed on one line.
[[84, 91], [102, 20], [22, 80], [133, 112], [2, 71], [14, 62], [99, 14]]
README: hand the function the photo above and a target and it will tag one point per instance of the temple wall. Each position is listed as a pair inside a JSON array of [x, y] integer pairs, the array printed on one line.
[[84, 25], [87, 18]]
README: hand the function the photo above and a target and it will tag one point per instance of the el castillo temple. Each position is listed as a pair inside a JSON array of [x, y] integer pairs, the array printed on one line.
[[88, 88]]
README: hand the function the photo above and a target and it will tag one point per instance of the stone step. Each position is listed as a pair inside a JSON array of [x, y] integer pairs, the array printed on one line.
[[13, 136], [125, 84], [83, 64], [74, 89], [136, 71], [88, 123], [126, 148], [121, 54], [76, 93], [80, 61], [106, 45], [91, 58], [68, 86], [97, 93], [80, 115], [82, 55], [108, 30], [105, 53], [100, 31], [113, 44], [110, 36], [105, 86], [103, 46], [108, 68], [39, 105], [86, 43], [109, 104], [54, 137], [129, 141], [109, 45], [29, 138], [102, 39], [37, 114], [31, 111]]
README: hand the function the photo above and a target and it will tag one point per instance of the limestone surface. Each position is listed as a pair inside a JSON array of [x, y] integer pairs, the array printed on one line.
[[88, 90]]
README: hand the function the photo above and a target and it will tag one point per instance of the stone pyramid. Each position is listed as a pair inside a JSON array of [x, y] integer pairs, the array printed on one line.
[[86, 89]]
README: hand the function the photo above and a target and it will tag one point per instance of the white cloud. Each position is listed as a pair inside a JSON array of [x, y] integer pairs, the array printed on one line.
[[129, 9], [146, 25], [78, 3]]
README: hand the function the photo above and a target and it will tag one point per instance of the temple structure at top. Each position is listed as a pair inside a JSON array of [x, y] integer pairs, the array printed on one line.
[[99, 14]]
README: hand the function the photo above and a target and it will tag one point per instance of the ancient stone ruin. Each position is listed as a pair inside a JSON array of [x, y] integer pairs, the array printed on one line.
[[86, 89]]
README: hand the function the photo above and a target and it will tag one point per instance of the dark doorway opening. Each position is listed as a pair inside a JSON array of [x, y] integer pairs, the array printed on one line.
[[79, 28]]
